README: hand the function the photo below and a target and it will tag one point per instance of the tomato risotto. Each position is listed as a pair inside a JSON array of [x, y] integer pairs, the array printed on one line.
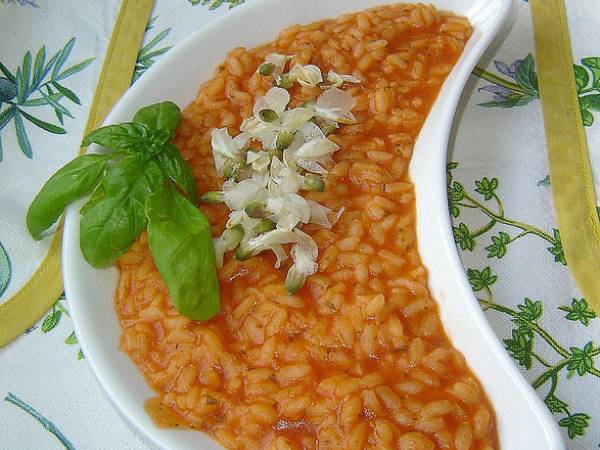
[[356, 358]]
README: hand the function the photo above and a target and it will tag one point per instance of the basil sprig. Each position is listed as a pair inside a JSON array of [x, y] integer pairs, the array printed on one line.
[[137, 183]]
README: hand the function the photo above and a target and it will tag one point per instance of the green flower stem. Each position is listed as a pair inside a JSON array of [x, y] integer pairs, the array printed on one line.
[[500, 205], [467, 206], [514, 223], [486, 304], [520, 235], [484, 229], [541, 360], [62, 308], [534, 326], [499, 81], [551, 372], [553, 385], [594, 372]]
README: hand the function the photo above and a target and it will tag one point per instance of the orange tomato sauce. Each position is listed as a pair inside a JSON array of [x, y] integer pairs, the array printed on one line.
[[358, 357]]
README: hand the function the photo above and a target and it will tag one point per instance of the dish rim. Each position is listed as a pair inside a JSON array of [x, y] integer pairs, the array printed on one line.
[[451, 252]]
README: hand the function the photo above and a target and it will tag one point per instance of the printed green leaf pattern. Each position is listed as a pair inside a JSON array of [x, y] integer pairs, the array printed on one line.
[[462, 236], [556, 248], [36, 83], [5, 269], [498, 247], [529, 311], [31, 3], [53, 319], [46, 423], [554, 404], [581, 361], [517, 85], [579, 311], [575, 424], [545, 181], [487, 187], [71, 339], [148, 53], [466, 237], [214, 4], [521, 345], [481, 279], [528, 342], [455, 195]]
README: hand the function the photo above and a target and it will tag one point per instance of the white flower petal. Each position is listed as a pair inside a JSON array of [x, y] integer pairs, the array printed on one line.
[[280, 254], [338, 215], [258, 160], [286, 180], [220, 245], [267, 240], [294, 119], [265, 132], [309, 149], [311, 166], [224, 148], [316, 149], [247, 222], [335, 79], [241, 140], [278, 60], [304, 253], [306, 75], [276, 99], [276, 167], [290, 160], [235, 218], [319, 214], [238, 195], [336, 105], [288, 210], [311, 131]]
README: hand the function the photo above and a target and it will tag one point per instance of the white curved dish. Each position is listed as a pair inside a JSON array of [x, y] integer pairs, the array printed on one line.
[[524, 423]]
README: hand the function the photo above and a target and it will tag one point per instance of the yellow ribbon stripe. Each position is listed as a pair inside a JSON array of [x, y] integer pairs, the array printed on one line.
[[570, 171], [41, 291]]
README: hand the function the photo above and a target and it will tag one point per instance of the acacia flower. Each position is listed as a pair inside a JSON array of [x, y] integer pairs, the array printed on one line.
[[306, 75], [336, 80]]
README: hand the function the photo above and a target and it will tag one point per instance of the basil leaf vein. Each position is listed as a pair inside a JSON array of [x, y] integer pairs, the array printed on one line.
[[179, 171], [124, 136], [160, 116], [72, 181], [114, 216], [181, 244]]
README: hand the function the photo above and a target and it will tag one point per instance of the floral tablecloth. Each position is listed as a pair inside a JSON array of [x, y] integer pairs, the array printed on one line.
[[499, 191]]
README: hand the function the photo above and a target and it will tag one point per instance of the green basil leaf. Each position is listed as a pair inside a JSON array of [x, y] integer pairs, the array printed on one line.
[[73, 180], [160, 116], [114, 216], [180, 240], [178, 170], [124, 136]]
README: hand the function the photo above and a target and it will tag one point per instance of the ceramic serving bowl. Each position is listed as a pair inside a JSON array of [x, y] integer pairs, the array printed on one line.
[[524, 423]]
